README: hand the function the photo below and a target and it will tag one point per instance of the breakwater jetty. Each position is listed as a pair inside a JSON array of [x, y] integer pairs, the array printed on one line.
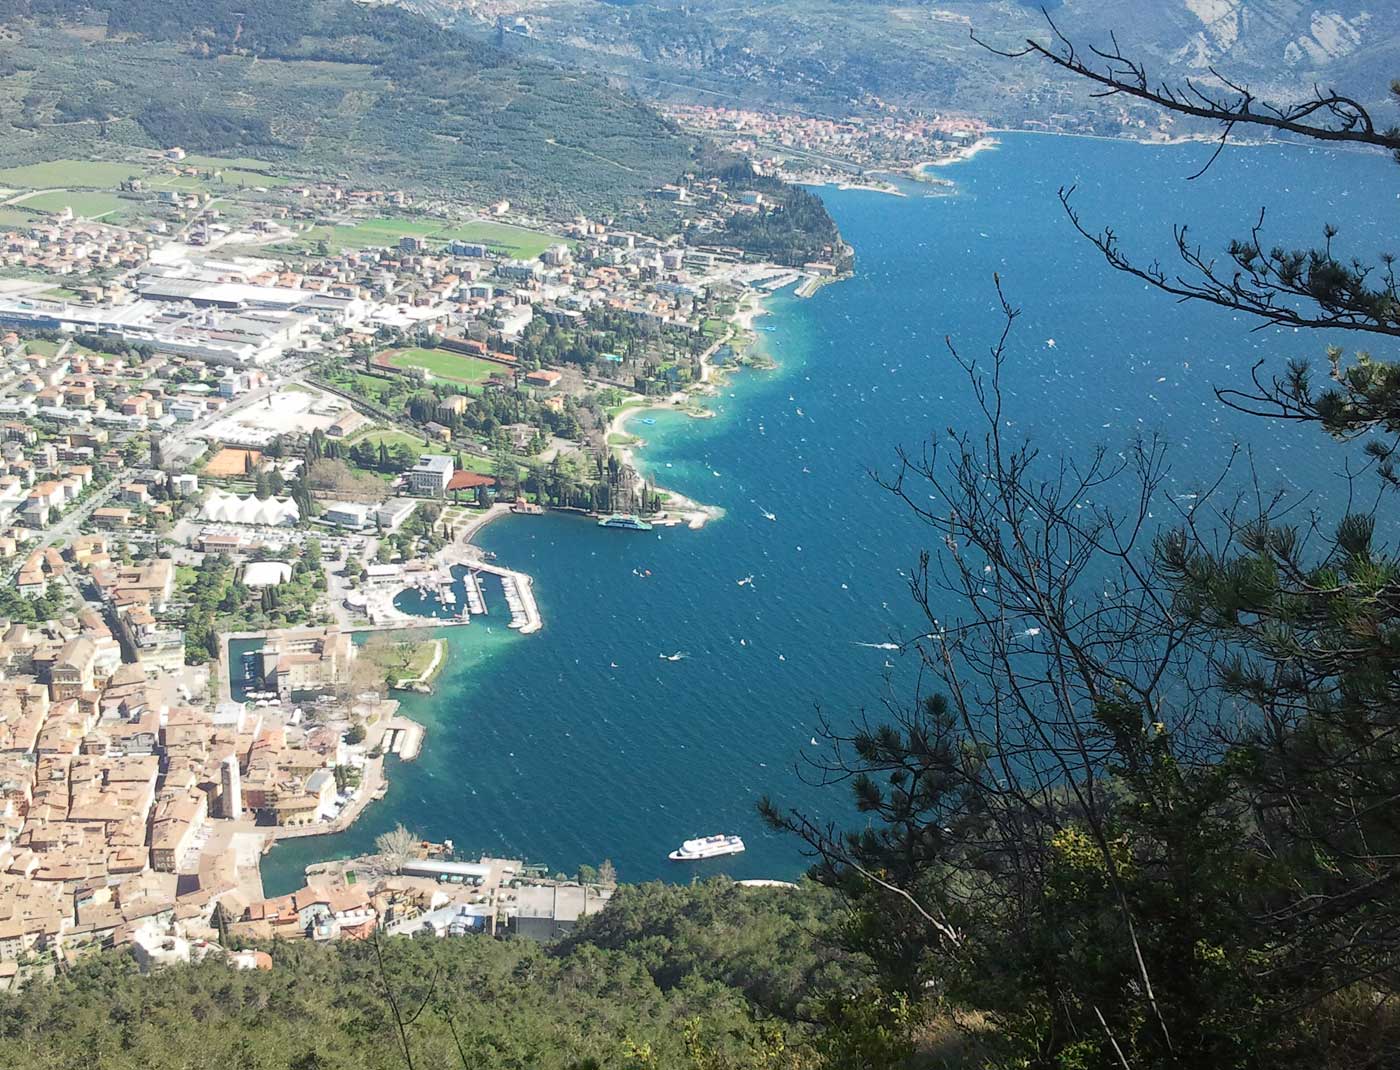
[[520, 597]]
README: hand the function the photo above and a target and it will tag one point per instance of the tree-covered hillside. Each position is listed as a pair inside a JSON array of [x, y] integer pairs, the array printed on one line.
[[696, 977], [326, 88]]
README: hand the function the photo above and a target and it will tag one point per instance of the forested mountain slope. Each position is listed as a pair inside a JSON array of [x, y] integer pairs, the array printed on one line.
[[710, 976], [331, 87]]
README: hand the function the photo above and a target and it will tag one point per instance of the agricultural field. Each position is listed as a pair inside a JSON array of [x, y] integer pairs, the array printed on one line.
[[15, 217], [206, 182], [186, 183], [68, 174], [443, 364], [215, 163], [86, 205], [387, 85], [234, 176]]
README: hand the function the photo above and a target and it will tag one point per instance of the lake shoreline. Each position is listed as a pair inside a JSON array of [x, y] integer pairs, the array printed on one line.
[[695, 514]]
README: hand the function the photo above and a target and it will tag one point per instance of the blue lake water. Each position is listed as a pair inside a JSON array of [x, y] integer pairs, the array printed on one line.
[[539, 748]]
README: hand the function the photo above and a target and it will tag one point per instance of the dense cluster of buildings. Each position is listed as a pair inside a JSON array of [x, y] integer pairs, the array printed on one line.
[[65, 247], [113, 778], [888, 139], [155, 411]]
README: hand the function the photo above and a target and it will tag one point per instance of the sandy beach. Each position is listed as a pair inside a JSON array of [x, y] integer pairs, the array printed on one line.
[[982, 144]]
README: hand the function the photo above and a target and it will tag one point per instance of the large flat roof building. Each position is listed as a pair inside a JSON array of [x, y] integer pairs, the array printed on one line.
[[430, 476]]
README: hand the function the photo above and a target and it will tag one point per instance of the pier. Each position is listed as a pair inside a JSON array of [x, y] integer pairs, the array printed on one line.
[[476, 600], [520, 597]]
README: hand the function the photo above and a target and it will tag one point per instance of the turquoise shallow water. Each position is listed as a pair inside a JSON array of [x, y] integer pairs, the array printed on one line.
[[538, 747]]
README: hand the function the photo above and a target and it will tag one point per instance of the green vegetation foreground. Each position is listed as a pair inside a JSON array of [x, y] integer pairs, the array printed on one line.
[[708, 976]]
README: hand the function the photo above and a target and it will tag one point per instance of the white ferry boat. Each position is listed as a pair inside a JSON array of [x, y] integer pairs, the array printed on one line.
[[707, 847]]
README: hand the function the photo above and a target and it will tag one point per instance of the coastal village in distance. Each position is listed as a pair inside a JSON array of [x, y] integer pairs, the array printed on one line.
[[250, 427]]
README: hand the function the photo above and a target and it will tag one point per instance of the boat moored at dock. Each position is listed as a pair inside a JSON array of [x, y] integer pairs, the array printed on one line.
[[626, 521], [707, 847]]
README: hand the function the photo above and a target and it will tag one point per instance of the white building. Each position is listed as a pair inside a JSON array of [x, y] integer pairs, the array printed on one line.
[[394, 512], [347, 515], [430, 476]]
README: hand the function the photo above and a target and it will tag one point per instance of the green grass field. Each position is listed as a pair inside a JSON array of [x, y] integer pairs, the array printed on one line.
[[223, 162], [15, 217], [472, 463], [188, 183], [628, 403], [368, 232], [388, 437], [68, 174], [445, 364], [105, 206], [504, 238], [510, 240], [373, 386], [41, 347], [235, 177]]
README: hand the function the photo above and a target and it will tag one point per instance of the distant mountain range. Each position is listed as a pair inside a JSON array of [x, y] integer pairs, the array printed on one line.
[[538, 100], [835, 54]]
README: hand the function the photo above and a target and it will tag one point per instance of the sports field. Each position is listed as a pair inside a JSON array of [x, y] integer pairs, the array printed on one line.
[[68, 174], [443, 364], [507, 239], [502, 238]]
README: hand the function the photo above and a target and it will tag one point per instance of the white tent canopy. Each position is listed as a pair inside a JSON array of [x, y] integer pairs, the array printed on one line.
[[223, 508]]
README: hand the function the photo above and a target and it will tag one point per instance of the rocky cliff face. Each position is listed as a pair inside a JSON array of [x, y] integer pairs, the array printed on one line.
[[1299, 35], [918, 53]]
